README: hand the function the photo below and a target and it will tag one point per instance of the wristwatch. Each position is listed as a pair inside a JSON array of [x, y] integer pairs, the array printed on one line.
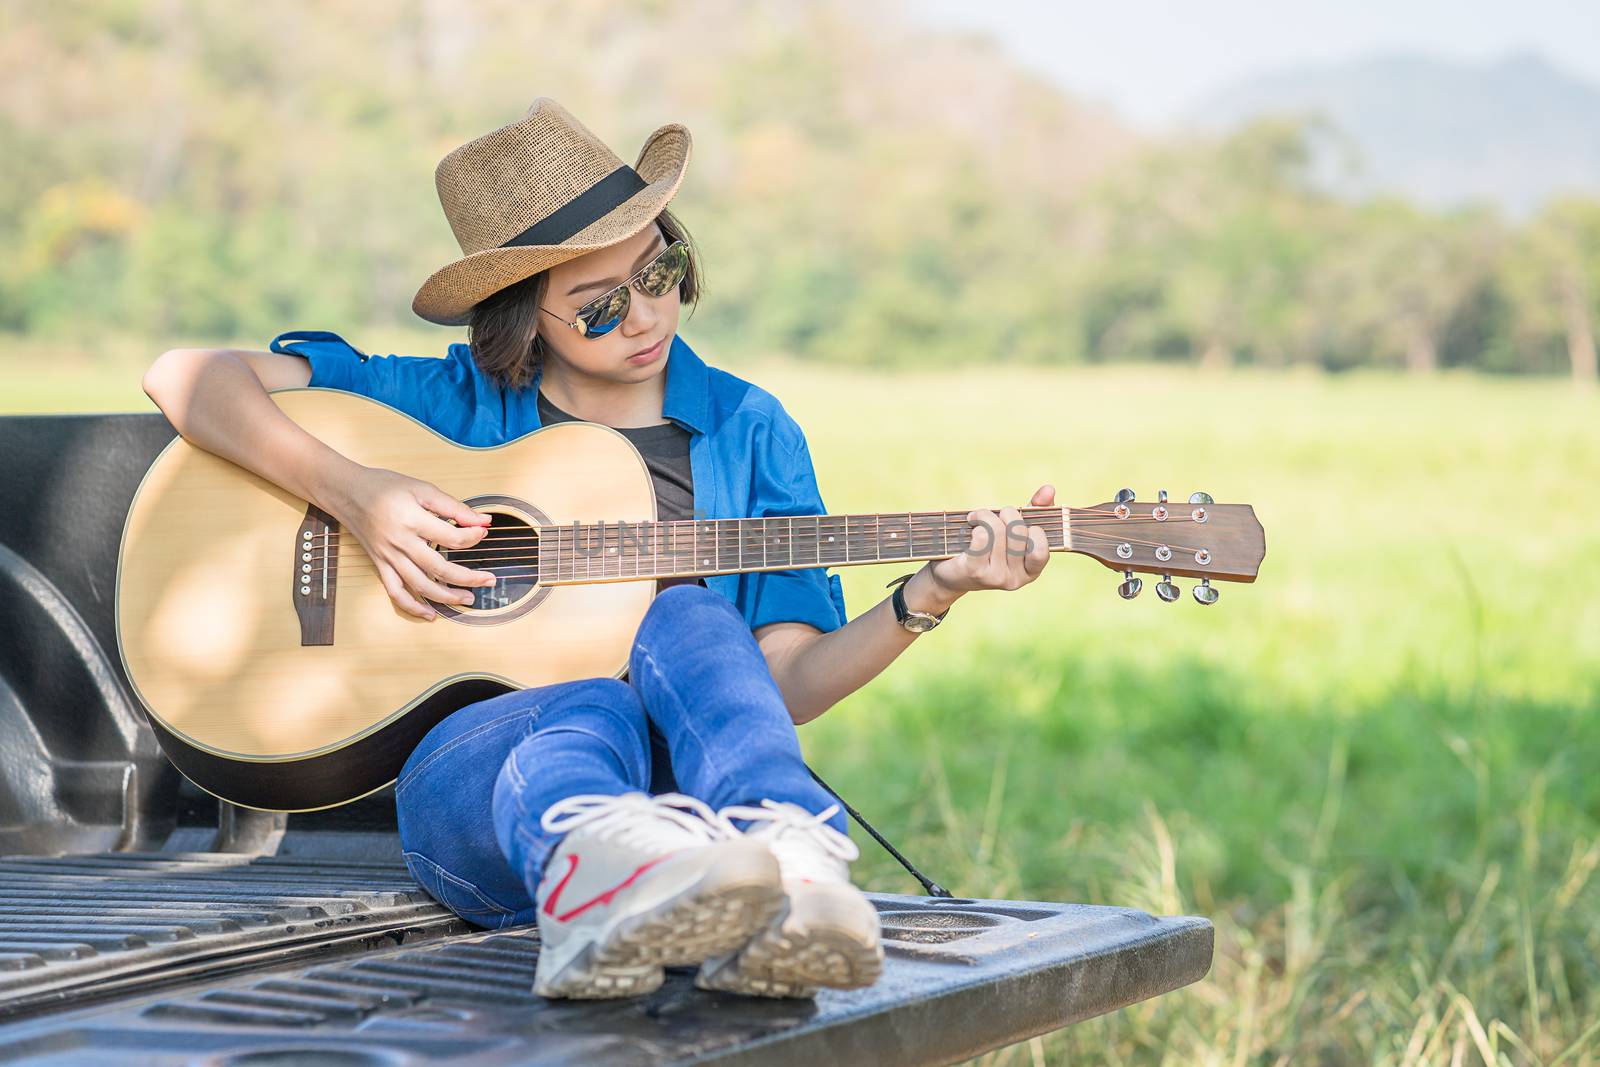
[[918, 622]]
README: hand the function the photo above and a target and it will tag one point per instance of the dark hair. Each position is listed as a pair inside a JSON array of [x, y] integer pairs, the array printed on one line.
[[505, 328]]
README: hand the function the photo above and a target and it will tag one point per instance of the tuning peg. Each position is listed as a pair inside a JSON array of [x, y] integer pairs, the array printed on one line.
[[1124, 496], [1204, 593], [1201, 498], [1166, 590], [1130, 586]]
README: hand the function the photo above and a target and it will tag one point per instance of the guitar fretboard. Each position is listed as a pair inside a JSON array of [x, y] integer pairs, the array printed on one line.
[[609, 551]]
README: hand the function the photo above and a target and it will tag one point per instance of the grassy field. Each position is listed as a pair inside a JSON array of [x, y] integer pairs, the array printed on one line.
[[1375, 770]]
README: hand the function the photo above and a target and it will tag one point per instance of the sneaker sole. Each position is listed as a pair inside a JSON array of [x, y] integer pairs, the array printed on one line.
[[796, 962], [735, 897]]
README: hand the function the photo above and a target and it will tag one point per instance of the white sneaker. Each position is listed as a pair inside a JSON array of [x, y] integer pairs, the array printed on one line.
[[640, 882], [828, 933]]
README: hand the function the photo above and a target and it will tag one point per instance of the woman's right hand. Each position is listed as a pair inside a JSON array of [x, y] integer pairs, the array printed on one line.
[[394, 517]]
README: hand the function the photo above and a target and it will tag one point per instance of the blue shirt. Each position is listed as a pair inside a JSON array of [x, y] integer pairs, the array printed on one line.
[[747, 457]]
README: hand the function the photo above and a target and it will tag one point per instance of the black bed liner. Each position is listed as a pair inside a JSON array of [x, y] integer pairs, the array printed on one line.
[[74, 928], [140, 924], [962, 976]]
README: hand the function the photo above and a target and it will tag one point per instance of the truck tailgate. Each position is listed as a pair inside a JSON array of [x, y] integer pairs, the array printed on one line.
[[158, 958]]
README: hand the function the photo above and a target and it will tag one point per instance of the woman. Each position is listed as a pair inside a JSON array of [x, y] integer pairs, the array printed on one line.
[[667, 818]]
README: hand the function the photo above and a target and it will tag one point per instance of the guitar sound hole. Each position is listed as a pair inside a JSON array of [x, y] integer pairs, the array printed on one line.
[[509, 550]]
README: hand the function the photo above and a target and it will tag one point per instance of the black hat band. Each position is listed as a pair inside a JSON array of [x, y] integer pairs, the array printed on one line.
[[604, 196]]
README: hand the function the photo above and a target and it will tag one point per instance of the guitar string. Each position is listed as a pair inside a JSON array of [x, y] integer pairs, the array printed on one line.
[[509, 572], [567, 553], [512, 563], [588, 533], [889, 518], [1042, 514], [592, 534], [674, 532]]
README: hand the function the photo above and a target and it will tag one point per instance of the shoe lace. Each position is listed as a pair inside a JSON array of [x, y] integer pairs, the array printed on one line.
[[803, 842], [635, 819]]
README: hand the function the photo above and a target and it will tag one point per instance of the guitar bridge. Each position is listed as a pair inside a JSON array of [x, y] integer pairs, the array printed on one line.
[[316, 575]]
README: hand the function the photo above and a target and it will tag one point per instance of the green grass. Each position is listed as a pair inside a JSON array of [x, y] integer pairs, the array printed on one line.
[[1377, 770]]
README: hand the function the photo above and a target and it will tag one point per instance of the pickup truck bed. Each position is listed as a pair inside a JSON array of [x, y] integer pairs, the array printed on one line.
[[141, 922]]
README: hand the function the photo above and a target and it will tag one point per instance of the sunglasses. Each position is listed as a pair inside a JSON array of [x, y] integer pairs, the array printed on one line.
[[656, 278]]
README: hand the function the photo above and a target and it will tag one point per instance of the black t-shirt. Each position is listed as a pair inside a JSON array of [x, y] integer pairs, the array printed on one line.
[[665, 449]]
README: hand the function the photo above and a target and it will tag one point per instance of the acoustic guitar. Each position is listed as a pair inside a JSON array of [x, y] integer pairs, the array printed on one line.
[[277, 673]]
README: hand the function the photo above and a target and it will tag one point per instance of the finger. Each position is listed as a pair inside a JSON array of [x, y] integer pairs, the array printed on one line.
[[989, 566], [453, 573], [442, 533], [1044, 496], [446, 506], [1038, 553], [981, 539], [400, 594], [418, 579], [452, 537], [1017, 533]]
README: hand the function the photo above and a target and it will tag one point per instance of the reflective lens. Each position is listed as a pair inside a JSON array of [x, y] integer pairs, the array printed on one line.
[[658, 277], [664, 272], [604, 314]]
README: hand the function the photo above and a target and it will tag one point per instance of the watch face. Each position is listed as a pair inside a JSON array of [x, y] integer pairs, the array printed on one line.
[[919, 623]]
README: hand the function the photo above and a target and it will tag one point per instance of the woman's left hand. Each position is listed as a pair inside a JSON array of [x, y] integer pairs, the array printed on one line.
[[1003, 553]]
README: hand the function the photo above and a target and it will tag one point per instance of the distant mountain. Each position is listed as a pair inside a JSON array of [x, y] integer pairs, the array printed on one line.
[[1512, 132]]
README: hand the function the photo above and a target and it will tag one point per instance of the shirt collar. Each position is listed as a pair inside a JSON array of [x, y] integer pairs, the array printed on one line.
[[685, 400]]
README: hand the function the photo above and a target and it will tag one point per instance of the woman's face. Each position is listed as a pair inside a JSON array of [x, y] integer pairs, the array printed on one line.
[[637, 349]]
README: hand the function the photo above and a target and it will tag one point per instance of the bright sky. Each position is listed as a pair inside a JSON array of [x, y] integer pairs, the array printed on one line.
[[1152, 59]]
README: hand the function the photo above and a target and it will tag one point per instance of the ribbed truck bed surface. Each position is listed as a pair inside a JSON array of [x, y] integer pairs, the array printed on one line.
[[78, 927], [160, 958]]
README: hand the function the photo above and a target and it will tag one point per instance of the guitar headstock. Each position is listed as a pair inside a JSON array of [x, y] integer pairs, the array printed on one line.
[[1201, 539]]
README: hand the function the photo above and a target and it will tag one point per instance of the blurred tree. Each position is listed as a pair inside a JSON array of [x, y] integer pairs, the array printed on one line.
[[1212, 243], [1395, 282], [1554, 272], [202, 172]]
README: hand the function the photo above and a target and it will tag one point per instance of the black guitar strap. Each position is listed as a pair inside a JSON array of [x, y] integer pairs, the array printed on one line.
[[934, 888]]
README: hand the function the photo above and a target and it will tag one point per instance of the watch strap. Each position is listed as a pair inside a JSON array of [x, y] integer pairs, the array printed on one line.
[[898, 600]]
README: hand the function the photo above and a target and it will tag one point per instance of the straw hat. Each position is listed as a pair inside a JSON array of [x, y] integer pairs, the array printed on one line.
[[539, 192]]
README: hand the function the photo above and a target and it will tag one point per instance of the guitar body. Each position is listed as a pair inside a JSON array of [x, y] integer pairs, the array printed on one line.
[[262, 704]]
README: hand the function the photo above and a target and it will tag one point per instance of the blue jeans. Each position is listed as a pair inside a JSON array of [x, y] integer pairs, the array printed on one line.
[[470, 796]]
